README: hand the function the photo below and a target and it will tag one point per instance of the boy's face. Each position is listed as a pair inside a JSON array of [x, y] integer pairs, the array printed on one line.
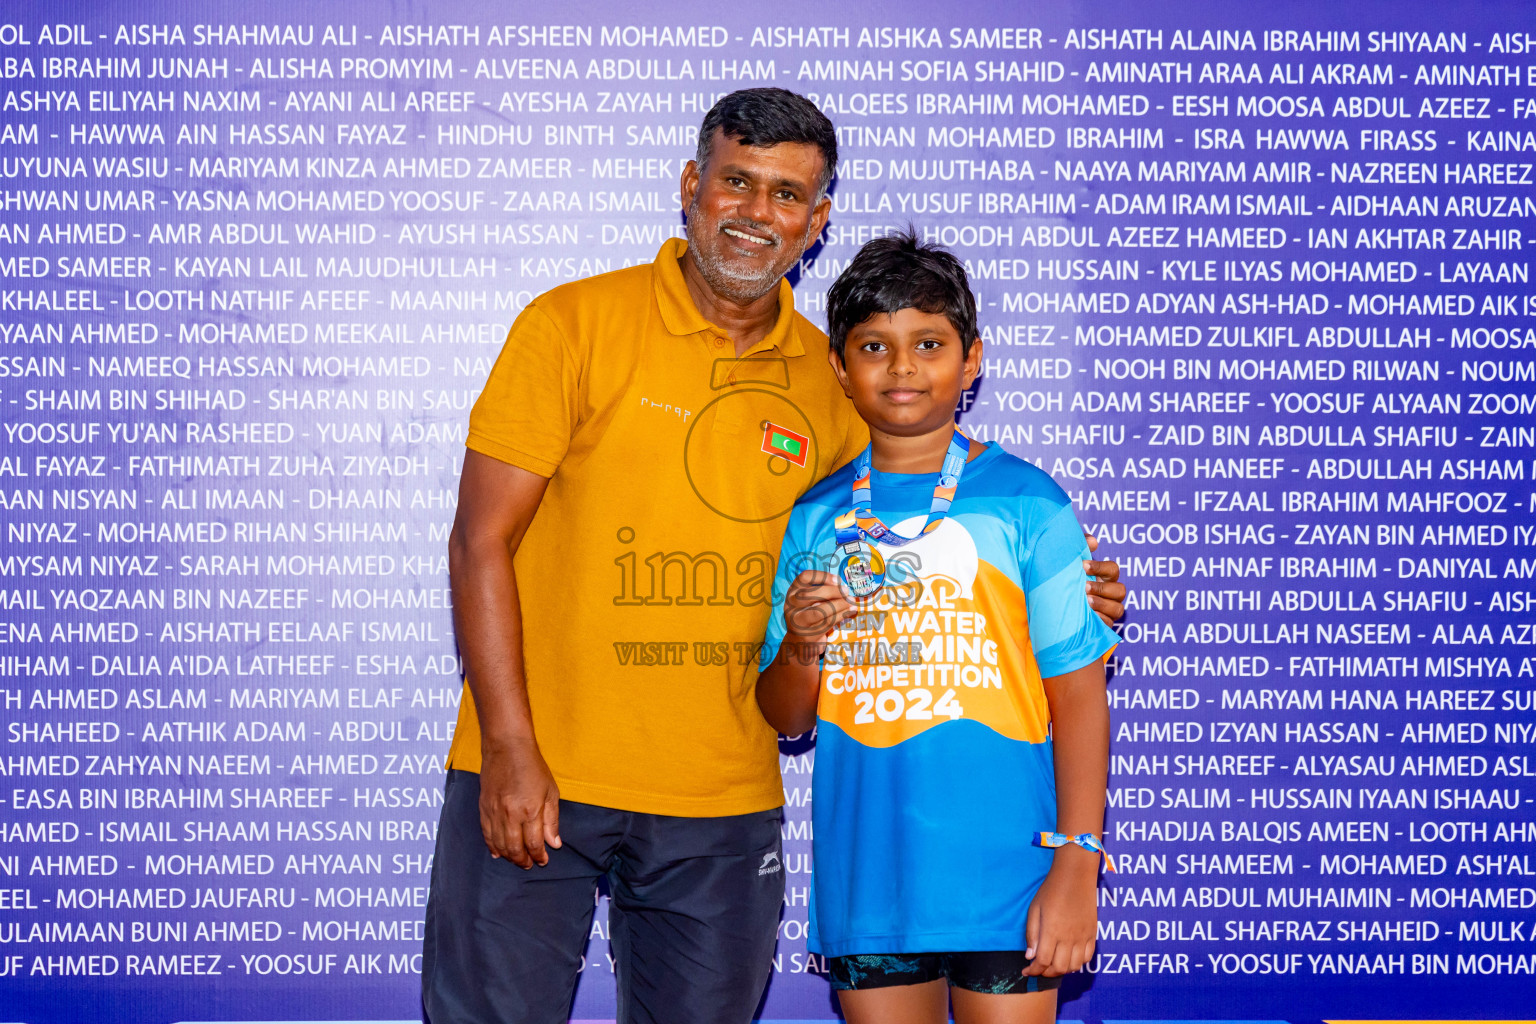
[[905, 371]]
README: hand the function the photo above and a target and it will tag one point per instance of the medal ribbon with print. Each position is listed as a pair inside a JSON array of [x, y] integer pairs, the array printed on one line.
[[860, 565]]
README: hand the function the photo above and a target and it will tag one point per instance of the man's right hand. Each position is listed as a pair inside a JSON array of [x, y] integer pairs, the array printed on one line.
[[519, 803], [1106, 594]]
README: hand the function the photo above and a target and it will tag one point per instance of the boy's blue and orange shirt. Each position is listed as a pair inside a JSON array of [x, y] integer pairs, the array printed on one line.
[[933, 752]]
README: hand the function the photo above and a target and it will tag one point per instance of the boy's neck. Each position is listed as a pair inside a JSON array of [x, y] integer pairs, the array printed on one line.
[[922, 453]]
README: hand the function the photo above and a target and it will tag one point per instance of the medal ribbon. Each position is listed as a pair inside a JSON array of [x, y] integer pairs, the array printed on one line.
[[1087, 840], [860, 522]]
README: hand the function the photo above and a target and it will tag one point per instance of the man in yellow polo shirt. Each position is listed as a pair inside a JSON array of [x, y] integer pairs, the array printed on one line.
[[632, 460]]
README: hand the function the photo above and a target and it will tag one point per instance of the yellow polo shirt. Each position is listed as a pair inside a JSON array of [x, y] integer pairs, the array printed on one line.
[[646, 575]]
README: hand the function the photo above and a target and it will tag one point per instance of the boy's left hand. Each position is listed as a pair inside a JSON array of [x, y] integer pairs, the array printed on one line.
[[1106, 594], [1062, 926]]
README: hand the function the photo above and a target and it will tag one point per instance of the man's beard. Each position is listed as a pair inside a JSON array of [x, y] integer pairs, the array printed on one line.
[[728, 278]]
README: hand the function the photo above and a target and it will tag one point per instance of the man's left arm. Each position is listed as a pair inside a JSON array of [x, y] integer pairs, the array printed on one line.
[[1106, 594]]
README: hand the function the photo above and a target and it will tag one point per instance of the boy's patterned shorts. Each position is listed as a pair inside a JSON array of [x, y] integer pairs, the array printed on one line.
[[992, 972]]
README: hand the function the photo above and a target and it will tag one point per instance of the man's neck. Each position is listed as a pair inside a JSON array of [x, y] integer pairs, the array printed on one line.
[[747, 323]]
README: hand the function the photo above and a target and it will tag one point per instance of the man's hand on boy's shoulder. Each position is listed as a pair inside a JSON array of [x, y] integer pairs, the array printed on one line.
[[1106, 594]]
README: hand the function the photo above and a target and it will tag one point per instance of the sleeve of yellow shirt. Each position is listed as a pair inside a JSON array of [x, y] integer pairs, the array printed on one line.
[[528, 410]]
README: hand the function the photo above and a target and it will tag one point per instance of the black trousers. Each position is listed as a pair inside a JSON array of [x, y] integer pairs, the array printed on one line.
[[693, 916]]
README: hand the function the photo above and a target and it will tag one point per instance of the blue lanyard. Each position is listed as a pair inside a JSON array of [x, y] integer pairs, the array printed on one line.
[[860, 521]]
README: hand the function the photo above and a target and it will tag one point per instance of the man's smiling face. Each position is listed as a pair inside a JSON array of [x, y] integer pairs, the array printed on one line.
[[751, 213]]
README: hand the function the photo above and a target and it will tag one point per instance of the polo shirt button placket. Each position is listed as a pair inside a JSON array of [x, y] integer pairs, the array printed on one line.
[[719, 342]]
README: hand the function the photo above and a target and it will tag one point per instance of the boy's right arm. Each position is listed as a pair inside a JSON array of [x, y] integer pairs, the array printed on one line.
[[519, 800], [787, 688]]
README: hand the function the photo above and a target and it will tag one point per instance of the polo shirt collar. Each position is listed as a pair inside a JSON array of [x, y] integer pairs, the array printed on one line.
[[681, 316]]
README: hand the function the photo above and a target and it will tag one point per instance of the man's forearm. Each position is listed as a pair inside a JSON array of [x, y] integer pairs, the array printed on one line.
[[488, 622], [519, 798]]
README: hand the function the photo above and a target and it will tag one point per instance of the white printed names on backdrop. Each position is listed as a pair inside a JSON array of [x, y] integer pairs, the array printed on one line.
[[1257, 296]]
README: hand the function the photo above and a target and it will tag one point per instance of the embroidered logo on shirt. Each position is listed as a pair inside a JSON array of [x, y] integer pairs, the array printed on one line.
[[675, 410], [786, 444], [770, 864]]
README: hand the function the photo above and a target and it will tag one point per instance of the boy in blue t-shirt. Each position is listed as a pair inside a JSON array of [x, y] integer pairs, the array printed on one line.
[[931, 621]]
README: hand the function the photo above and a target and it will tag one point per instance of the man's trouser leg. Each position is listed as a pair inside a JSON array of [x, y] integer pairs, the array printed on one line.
[[694, 917], [504, 945]]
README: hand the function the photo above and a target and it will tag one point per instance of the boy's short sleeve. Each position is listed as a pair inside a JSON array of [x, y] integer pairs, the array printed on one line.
[[528, 410], [796, 554], [1064, 631]]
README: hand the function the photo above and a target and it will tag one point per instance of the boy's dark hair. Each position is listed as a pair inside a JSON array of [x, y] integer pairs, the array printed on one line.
[[899, 272], [768, 117]]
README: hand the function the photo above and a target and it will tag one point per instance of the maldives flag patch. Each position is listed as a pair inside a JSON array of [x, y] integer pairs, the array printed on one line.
[[787, 444]]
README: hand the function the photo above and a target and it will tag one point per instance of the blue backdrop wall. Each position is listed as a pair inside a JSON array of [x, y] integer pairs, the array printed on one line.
[[1255, 289]]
